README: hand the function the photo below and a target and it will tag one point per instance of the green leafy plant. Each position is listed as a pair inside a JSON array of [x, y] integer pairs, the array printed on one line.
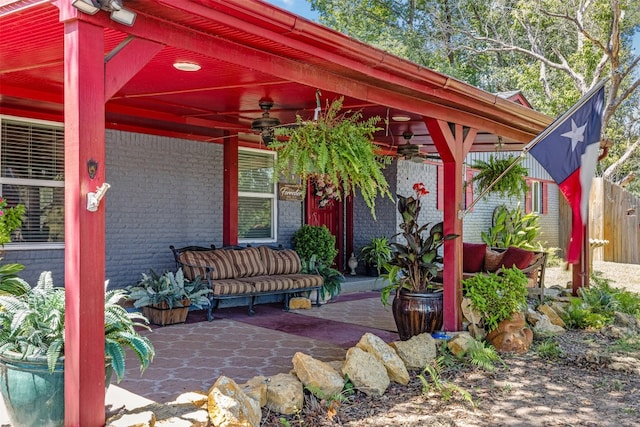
[[497, 296], [483, 355], [169, 288], [311, 240], [415, 263], [10, 283], [332, 278], [549, 349], [376, 253], [337, 146], [10, 220], [512, 184], [446, 389], [513, 228], [32, 324]]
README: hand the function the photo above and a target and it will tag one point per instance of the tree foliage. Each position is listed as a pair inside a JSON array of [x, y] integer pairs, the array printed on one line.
[[553, 51]]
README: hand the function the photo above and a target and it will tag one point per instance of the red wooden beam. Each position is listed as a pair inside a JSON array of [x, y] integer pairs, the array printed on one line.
[[84, 230], [453, 147], [125, 62], [405, 95]]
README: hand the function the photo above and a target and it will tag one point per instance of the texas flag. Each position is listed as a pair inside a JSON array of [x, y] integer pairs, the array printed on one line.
[[569, 152]]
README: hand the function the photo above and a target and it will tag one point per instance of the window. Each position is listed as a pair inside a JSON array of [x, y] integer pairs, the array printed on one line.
[[256, 196], [32, 174], [536, 196]]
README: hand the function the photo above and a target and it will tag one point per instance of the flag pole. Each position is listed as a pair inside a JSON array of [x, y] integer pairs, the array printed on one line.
[[534, 141]]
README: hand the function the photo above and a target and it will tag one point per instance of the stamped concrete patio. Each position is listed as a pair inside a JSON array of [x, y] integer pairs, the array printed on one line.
[[193, 355]]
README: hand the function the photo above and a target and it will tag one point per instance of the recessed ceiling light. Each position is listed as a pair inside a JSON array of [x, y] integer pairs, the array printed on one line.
[[400, 118], [186, 66]]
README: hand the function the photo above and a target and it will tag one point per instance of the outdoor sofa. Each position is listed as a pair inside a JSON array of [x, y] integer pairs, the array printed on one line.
[[233, 272]]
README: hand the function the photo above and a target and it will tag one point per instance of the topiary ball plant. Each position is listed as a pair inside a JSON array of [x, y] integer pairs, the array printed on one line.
[[315, 240]]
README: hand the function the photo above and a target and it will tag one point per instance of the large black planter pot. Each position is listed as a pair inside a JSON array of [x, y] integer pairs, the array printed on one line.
[[416, 313]]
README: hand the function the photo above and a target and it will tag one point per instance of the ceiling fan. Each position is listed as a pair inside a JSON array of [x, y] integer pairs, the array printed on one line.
[[265, 125], [409, 151]]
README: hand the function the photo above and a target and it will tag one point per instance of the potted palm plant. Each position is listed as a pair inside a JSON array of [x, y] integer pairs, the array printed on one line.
[[32, 350], [165, 299], [376, 254], [417, 306]]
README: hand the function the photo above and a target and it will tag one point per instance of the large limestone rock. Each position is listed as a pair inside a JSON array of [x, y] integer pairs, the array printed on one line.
[[416, 352], [544, 328], [285, 394], [366, 372], [229, 406], [256, 388], [196, 398], [552, 315], [396, 369], [460, 343], [319, 377]]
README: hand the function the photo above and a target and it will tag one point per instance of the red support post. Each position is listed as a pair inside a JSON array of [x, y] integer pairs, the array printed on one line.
[[84, 110], [453, 144], [230, 192]]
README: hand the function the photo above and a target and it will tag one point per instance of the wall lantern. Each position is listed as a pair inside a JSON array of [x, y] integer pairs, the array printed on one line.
[[118, 13]]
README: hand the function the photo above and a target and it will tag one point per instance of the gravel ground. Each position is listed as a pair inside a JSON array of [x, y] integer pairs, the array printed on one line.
[[590, 383]]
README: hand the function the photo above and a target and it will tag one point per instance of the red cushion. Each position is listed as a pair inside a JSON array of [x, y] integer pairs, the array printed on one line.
[[520, 258], [473, 257]]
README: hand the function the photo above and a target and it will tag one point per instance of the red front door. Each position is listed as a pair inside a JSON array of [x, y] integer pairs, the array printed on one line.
[[322, 210]]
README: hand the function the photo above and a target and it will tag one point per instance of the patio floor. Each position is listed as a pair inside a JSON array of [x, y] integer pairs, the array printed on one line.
[[191, 356]]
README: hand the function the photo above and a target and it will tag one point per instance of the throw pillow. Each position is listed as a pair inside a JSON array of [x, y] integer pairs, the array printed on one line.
[[520, 258], [492, 260], [247, 262], [473, 257]]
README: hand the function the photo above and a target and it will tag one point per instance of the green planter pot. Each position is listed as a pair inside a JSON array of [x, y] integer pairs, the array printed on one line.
[[32, 395]]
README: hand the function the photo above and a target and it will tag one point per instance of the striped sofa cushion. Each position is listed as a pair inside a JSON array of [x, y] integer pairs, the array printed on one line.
[[269, 283], [306, 280], [194, 263], [231, 287], [247, 262], [284, 261]]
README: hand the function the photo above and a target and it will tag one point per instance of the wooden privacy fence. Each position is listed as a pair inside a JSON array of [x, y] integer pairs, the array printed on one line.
[[613, 216]]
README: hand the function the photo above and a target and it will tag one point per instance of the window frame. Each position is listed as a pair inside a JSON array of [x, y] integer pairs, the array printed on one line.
[[18, 246], [273, 196], [537, 202]]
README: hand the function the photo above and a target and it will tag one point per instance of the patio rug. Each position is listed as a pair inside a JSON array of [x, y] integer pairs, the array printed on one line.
[[271, 316]]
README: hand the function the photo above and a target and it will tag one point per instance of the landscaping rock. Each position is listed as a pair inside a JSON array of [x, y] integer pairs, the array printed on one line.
[[533, 317], [299, 303], [256, 388], [460, 344], [366, 372], [544, 328], [319, 377], [417, 351], [197, 398], [554, 318], [229, 406], [285, 394], [374, 345]]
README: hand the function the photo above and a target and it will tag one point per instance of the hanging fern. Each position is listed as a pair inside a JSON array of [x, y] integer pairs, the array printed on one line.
[[340, 148], [512, 184]]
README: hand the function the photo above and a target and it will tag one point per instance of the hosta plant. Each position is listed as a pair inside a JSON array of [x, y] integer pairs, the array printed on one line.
[[32, 324], [169, 288]]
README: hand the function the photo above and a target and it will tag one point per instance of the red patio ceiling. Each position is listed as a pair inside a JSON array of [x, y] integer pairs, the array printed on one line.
[[224, 95]]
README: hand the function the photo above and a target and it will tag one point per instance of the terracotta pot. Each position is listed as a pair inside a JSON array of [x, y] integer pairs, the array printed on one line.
[[511, 335], [417, 313]]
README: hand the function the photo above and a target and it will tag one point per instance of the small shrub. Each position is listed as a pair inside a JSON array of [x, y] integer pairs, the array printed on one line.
[[483, 355], [311, 240]]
